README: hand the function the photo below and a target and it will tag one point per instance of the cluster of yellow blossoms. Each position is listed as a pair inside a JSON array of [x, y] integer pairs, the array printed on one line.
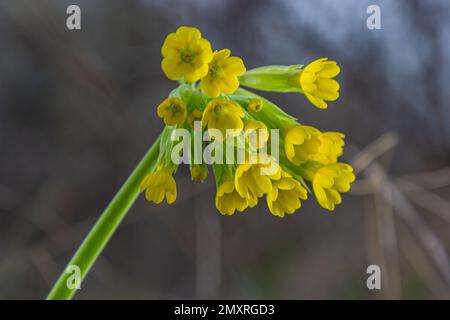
[[210, 92]]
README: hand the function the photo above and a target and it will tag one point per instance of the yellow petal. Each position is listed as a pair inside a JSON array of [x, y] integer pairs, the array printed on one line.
[[188, 34], [316, 65], [319, 103], [230, 84], [235, 65], [171, 45], [210, 87], [171, 68], [330, 70]]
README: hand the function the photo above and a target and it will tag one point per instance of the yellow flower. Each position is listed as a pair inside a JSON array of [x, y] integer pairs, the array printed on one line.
[[300, 142], [329, 181], [186, 54], [223, 114], [331, 147], [172, 111], [228, 199], [317, 83], [257, 133], [195, 115], [251, 181], [255, 105], [285, 195], [158, 185], [222, 74], [199, 172]]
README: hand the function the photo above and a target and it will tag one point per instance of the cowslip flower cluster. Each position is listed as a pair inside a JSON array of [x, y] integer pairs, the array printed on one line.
[[210, 102]]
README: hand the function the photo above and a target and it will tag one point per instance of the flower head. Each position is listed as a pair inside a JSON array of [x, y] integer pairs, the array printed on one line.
[[210, 92], [317, 83], [300, 142], [186, 54], [331, 147], [172, 111], [228, 199], [223, 114], [159, 185], [329, 181], [222, 74], [286, 195]]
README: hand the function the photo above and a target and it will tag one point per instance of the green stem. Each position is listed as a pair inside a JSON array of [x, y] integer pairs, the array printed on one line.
[[108, 222]]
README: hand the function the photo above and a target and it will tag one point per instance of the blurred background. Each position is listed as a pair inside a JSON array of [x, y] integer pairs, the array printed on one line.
[[77, 112]]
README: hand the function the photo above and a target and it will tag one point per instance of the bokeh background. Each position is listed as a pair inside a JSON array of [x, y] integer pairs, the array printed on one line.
[[77, 112]]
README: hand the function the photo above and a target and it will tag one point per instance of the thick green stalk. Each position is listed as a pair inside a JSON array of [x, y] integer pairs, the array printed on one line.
[[108, 222]]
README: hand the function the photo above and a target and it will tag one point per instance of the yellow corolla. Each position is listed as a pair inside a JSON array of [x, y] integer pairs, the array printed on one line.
[[199, 172], [228, 199], [252, 180], [331, 147], [286, 195], [255, 105], [331, 180], [186, 54], [300, 143], [159, 185], [257, 133], [222, 74], [172, 111], [317, 83], [223, 114], [195, 115]]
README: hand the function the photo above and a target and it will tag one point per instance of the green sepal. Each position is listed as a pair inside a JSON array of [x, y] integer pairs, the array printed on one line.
[[272, 78], [223, 172], [272, 115], [298, 172], [165, 146], [193, 98]]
